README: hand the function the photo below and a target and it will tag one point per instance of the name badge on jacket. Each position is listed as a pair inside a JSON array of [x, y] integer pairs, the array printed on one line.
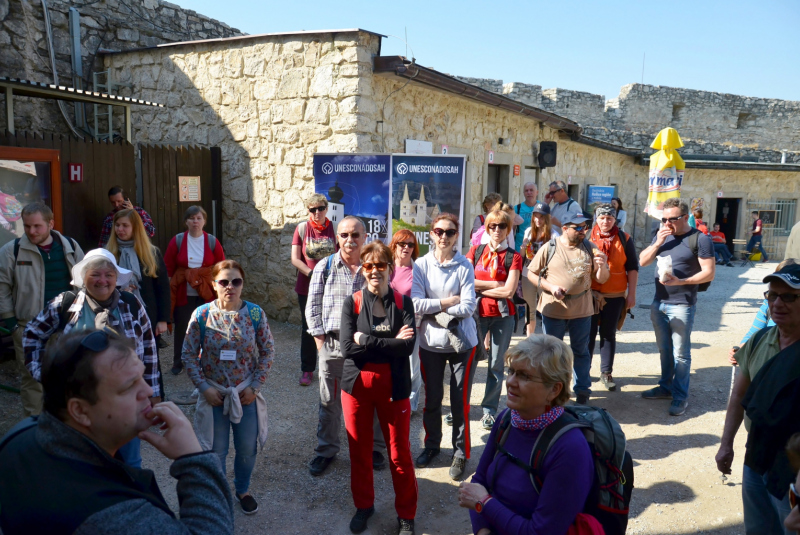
[[227, 354], [24, 263]]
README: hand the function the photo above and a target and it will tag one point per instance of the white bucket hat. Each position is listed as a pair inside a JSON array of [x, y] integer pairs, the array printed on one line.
[[123, 275]]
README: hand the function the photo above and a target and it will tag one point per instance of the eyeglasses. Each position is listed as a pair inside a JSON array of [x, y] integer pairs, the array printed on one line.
[[354, 235], [234, 283], [442, 232], [579, 228], [317, 209], [671, 219], [523, 377], [501, 226], [380, 266], [786, 297], [794, 498], [404, 244]]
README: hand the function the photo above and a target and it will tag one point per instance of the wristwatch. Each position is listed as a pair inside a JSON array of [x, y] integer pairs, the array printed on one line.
[[481, 503]]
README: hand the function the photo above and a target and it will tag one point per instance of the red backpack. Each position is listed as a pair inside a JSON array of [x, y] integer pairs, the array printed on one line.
[[358, 298]]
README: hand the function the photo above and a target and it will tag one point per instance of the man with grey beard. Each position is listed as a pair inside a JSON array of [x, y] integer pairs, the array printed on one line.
[[332, 281]]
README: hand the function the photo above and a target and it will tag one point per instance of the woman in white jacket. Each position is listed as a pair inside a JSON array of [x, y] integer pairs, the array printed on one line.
[[444, 295]]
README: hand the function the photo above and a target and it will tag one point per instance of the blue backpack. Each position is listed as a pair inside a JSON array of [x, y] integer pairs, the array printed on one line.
[[253, 310]]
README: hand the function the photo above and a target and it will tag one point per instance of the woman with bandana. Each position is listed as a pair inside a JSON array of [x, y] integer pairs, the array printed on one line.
[[496, 280], [618, 293]]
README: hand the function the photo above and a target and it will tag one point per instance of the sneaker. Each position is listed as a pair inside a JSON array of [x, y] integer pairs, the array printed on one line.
[[657, 393], [378, 462], [359, 521], [406, 526], [248, 503], [487, 421], [729, 265], [306, 378], [457, 468], [676, 408], [581, 399], [608, 381], [449, 419], [425, 458], [177, 368], [318, 466]]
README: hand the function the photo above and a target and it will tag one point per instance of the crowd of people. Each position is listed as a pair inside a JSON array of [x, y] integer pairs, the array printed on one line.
[[382, 323]]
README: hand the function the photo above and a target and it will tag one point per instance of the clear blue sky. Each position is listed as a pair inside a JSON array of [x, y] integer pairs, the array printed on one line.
[[744, 47]]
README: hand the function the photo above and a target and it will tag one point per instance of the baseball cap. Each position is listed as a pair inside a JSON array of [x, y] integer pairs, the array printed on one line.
[[789, 274], [541, 208], [574, 219]]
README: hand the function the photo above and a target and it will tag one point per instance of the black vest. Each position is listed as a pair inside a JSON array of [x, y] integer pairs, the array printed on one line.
[[42, 493]]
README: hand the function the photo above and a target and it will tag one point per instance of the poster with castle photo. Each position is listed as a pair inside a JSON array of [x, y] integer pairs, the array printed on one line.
[[422, 188]]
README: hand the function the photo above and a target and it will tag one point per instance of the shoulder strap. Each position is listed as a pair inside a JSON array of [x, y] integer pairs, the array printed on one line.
[[551, 250], [623, 238], [179, 241], [694, 237], [16, 248], [570, 201], [63, 315], [760, 334], [254, 311], [588, 246], [202, 318], [398, 299], [301, 230], [358, 297], [509, 259], [483, 219], [478, 254], [24, 425], [130, 300], [212, 242], [543, 443], [517, 208], [327, 271]]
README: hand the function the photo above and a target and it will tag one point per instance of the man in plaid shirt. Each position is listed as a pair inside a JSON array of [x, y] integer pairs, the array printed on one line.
[[116, 196], [326, 294]]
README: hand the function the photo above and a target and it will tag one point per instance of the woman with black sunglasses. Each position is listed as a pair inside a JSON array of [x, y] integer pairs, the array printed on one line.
[[228, 351], [444, 294], [314, 239]]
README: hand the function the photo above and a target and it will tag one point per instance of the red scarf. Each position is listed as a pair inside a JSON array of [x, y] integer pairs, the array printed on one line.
[[603, 240], [491, 261], [319, 228]]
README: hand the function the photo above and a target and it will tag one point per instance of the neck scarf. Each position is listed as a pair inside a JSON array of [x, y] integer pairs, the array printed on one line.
[[604, 240], [491, 261], [129, 260], [537, 423], [319, 228], [104, 310]]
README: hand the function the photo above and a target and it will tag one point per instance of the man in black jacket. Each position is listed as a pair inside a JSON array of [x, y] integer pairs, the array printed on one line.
[[60, 472]]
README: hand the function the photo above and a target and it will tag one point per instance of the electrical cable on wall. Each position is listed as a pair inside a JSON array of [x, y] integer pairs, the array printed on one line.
[[383, 108]]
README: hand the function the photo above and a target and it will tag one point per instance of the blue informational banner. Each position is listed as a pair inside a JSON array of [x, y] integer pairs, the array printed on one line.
[[598, 195], [422, 187], [356, 184]]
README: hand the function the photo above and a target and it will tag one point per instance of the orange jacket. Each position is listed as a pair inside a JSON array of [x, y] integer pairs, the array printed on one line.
[[197, 278], [617, 283]]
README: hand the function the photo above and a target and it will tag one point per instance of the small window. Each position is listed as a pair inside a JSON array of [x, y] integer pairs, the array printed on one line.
[[787, 209]]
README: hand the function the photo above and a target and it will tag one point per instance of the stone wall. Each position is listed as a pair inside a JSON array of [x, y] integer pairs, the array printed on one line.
[[583, 108], [105, 24]]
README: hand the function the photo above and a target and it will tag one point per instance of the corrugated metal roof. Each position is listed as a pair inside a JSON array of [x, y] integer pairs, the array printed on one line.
[[28, 88]]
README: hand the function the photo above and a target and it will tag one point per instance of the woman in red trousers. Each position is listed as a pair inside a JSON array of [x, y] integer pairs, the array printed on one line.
[[377, 335]]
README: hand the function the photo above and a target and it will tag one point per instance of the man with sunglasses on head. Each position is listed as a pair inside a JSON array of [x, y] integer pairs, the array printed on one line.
[[333, 280], [767, 388], [563, 271], [564, 206], [62, 473], [673, 308]]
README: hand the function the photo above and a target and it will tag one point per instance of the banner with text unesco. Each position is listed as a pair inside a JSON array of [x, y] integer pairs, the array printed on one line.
[[356, 184], [422, 187]]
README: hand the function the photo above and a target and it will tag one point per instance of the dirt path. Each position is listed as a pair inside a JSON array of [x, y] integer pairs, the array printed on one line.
[[678, 489]]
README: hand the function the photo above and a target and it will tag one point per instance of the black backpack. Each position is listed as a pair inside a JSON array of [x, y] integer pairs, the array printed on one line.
[[69, 298], [694, 237], [16, 245]]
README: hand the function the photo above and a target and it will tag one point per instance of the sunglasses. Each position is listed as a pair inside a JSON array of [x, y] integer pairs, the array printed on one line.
[[95, 342], [579, 228], [380, 266], [317, 209], [354, 235], [501, 226], [672, 219], [786, 297], [235, 283], [442, 232], [404, 244], [794, 498]]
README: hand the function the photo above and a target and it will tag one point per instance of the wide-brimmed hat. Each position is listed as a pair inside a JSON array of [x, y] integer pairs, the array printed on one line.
[[123, 275], [789, 274]]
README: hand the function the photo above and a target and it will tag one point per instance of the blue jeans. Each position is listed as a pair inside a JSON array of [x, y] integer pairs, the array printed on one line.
[[721, 250], [245, 441], [763, 513], [578, 329], [756, 240], [501, 330], [673, 327], [131, 453]]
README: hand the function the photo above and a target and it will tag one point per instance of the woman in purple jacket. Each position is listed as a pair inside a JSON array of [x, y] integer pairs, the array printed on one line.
[[501, 497]]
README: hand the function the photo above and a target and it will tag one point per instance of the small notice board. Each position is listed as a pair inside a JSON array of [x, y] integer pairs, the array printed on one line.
[[189, 188]]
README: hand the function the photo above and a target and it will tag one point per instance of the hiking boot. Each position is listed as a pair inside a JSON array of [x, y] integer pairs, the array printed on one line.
[[318, 466], [248, 503], [359, 521], [676, 408], [581, 399], [608, 381], [306, 378], [487, 421], [657, 393], [378, 462], [406, 527], [177, 368], [449, 419], [425, 458], [457, 468]]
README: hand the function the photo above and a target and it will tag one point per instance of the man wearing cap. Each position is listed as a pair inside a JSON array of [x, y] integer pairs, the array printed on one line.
[[564, 206], [766, 385], [33, 270], [673, 308], [525, 211], [563, 271]]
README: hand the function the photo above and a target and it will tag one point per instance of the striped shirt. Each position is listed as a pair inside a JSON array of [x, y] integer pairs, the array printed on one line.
[[42, 327], [325, 297]]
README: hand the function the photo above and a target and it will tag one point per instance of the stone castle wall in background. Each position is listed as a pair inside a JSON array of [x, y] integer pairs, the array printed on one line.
[[105, 24]]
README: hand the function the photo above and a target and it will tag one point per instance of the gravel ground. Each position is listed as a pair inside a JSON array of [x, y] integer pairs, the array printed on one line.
[[678, 489]]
